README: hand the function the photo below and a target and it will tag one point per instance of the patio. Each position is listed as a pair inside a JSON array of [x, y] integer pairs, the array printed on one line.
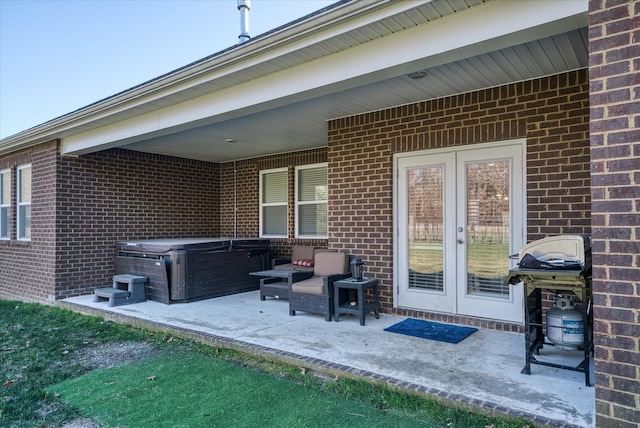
[[482, 370]]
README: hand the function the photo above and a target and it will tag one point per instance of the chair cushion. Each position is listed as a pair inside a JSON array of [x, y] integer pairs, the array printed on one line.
[[330, 263], [304, 262], [302, 252], [312, 285], [291, 266]]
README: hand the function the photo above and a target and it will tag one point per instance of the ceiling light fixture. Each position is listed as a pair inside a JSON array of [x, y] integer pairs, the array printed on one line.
[[417, 74], [229, 140]]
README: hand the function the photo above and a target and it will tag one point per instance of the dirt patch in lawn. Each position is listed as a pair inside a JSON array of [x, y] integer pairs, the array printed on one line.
[[81, 423], [112, 354]]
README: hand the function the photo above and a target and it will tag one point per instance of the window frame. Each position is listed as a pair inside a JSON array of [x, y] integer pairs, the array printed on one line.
[[299, 203], [22, 205], [5, 219], [284, 203]]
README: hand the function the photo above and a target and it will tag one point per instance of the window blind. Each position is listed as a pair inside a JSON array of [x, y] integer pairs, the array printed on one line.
[[274, 187], [24, 202], [312, 184], [5, 202], [311, 203], [273, 202]]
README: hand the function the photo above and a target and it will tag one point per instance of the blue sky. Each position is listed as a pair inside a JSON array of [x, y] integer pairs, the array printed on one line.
[[59, 56]]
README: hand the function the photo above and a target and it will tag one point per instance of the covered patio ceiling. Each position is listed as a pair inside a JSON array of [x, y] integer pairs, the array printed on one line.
[[275, 93], [302, 125]]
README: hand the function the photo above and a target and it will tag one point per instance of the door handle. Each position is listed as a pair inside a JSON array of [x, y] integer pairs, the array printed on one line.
[[460, 241]]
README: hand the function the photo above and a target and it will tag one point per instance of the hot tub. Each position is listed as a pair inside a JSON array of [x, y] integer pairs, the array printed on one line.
[[183, 270]]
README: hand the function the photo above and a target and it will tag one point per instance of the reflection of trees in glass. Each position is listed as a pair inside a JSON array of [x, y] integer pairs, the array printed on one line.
[[426, 258], [426, 204], [487, 226], [488, 202], [322, 194]]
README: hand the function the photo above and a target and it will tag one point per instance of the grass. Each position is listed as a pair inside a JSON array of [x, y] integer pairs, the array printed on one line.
[[484, 260], [162, 391], [58, 367]]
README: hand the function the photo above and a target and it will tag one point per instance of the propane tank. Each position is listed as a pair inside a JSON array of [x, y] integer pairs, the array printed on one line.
[[565, 324]]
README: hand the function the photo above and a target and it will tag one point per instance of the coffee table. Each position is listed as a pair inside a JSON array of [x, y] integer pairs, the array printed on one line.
[[276, 282]]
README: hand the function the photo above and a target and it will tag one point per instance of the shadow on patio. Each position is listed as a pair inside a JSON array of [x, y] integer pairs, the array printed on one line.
[[482, 370]]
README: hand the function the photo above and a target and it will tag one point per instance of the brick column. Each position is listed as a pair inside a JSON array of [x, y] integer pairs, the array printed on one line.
[[614, 42]]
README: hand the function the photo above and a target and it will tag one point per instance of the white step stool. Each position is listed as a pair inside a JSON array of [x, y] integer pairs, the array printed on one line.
[[126, 289]]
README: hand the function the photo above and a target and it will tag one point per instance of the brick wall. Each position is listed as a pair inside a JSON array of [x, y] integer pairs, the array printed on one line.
[[119, 195], [614, 44], [103, 198], [27, 268], [244, 188], [551, 113]]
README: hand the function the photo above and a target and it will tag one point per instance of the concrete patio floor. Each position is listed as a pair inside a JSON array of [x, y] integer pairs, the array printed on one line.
[[483, 370]]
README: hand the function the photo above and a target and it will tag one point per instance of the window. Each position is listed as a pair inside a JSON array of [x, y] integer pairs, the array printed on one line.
[[273, 203], [311, 201], [24, 202], [5, 202]]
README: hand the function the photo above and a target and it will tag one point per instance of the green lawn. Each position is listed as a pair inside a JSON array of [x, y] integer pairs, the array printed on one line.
[[484, 260], [60, 367]]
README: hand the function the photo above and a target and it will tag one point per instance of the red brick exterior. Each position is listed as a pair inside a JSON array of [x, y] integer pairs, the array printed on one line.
[[243, 188], [551, 113], [614, 41], [27, 269], [82, 206]]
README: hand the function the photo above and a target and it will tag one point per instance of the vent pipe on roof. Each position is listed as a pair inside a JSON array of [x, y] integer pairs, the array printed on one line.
[[243, 7]]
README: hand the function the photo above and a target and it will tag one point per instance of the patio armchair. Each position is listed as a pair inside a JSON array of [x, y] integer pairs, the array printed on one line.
[[315, 294]]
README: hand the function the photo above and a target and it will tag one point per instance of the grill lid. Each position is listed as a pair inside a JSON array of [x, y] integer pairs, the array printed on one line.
[[561, 250]]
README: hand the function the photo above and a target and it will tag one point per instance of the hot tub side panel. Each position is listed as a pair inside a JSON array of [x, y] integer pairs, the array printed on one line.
[[155, 269], [202, 275], [186, 273]]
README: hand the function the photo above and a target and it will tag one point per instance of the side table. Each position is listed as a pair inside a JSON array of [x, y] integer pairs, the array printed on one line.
[[348, 291]]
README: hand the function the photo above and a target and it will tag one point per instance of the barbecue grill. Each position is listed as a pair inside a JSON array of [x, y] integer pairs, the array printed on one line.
[[560, 265]]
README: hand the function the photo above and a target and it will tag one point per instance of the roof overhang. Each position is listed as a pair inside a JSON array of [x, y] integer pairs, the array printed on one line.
[[276, 92]]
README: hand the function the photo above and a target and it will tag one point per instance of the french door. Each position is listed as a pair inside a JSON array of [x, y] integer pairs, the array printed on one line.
[[459, 215]]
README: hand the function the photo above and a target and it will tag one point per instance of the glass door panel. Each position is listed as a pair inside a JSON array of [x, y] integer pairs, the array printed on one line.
[[424, 267], [490, 214], [426, 228], [488, 230]]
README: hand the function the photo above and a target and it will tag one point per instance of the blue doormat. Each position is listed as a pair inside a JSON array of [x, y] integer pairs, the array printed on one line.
[[431, 330]]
